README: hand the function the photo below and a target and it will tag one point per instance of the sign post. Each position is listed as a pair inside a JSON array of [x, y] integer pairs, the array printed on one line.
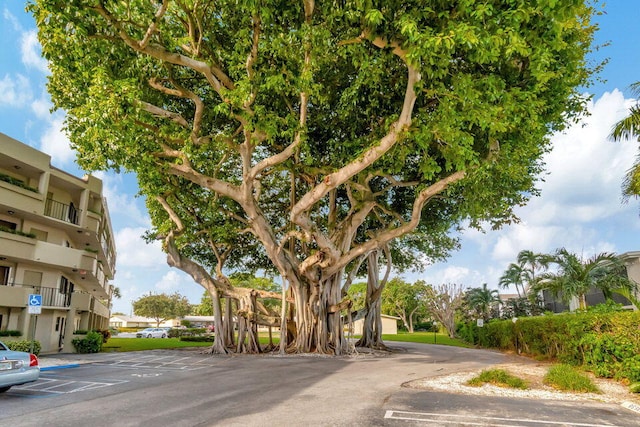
[[34, 304]]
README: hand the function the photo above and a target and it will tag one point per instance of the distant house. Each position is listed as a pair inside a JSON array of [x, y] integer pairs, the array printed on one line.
[[389, 325], [595, 296], [123, 321]]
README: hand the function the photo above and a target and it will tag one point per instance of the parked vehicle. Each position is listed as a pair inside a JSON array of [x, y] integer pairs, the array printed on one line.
[[17, 367], [152, 333]]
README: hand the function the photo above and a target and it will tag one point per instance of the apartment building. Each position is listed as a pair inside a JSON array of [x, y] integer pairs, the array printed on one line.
[[56, 240]]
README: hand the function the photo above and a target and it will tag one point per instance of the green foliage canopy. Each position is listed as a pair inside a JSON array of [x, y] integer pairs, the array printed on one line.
[[162, 306]]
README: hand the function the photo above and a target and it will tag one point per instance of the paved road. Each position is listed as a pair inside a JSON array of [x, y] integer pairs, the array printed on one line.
[[186, 388]]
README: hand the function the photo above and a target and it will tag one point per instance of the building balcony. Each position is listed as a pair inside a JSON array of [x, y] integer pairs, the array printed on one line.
[[17, 246], [19, 199], [63, 212], [16, 295]]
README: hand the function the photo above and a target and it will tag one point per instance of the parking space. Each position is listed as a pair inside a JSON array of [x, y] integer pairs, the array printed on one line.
[[157, 361], [127, 367], [444, 419]]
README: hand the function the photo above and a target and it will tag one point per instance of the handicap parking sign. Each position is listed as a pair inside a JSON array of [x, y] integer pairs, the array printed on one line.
[[35, 304]]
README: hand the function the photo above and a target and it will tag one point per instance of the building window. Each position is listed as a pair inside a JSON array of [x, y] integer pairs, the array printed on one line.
[[4, 275], [40, 234], [9, 225], [64, 285]]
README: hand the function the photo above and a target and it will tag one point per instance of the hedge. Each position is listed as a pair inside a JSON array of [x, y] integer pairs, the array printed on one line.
[[608, 344], [24, 345]]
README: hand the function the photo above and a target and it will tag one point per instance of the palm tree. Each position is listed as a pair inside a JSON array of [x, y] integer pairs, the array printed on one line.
[[482, 300], [628, 128], [523, 274], [576, 276], [531, 262], [514, 275]]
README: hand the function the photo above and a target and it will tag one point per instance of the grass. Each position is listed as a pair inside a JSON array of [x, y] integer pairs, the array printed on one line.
[[498, 377], [139, 344], [567, 378], [426, 338]]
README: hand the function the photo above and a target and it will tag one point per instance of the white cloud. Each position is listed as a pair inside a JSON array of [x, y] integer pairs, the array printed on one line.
[[15, 92], [42, 107], [133, 251], [120, 200], [55, 143], [14, 21], [31, 52], [172, 281], [586, 169]]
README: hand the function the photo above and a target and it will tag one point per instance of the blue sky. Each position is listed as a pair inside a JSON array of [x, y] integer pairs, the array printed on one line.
[[580, 207]]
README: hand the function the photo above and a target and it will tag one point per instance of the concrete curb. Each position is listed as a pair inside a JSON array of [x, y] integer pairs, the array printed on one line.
[[631, 406], [52, 368]]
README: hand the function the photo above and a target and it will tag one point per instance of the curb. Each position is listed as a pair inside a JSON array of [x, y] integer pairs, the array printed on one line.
[[631, 406], [52, 368]]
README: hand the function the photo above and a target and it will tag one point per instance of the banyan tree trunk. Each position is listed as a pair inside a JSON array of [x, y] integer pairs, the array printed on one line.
[[319, 325], [219, 344], [372, 326]]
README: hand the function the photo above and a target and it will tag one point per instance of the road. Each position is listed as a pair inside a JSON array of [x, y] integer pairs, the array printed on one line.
[[186, 388]]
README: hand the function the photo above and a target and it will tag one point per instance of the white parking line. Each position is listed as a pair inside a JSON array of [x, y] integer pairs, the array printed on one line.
[[49, 385], [473, 420]]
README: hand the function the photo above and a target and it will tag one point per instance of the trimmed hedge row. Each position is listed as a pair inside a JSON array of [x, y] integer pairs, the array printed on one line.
[[24, 345], [608, 344]]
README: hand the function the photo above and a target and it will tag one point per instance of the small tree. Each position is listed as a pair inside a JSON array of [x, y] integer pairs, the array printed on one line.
[[404, 300], [161, 307], [443, 303], [205, 308]]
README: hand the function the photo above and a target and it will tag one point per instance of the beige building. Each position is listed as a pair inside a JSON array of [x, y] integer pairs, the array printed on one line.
[[56, 240], [389, 325]]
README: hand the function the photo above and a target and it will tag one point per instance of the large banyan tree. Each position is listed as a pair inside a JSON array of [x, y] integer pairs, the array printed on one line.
[[312, 137]]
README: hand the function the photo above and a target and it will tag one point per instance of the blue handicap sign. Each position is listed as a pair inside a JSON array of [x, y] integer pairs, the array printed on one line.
[[35, 300]]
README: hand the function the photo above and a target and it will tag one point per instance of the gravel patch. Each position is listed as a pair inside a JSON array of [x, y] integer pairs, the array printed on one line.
[[612, 392]]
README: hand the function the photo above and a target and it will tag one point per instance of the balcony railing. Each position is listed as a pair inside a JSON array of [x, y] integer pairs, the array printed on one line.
[[57, 210], [51, 297]]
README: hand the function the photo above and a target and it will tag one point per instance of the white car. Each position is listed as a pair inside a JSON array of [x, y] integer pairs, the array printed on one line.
[[17, 367], [152, 333]]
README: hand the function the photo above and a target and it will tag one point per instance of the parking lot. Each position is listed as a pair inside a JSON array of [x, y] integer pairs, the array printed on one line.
[[187, 388]]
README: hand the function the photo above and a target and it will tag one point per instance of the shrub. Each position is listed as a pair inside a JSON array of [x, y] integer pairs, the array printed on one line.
[[106, 334], [91, 344], [80, 332], [498, 377], [566, 378], [604, 341], [10, 333], [24, 345]]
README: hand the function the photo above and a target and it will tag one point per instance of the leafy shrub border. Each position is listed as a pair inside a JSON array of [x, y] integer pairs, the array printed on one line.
[[607, 344]]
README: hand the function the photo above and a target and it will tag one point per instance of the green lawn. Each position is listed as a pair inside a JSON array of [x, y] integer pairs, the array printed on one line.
[[426, 338], [138, 344]]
